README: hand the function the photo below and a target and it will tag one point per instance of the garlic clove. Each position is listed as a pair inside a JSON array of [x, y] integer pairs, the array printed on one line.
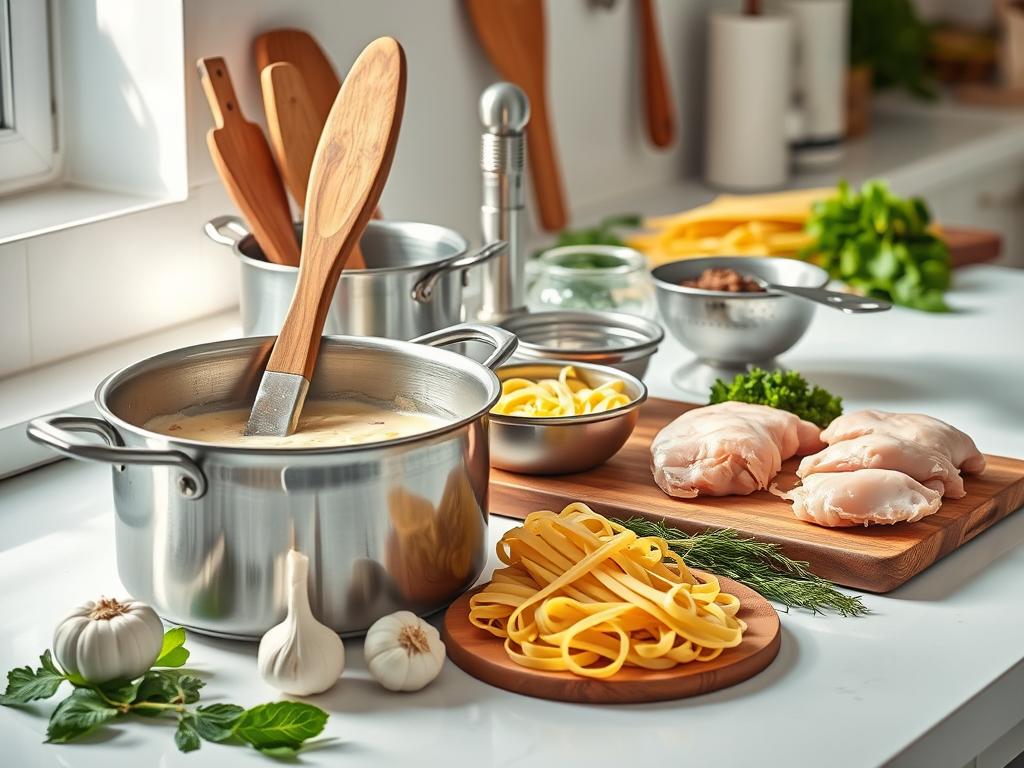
[[300, 656], [403, 652]]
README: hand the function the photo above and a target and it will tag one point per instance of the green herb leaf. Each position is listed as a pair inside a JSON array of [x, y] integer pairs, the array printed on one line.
[[282, 724], [169, 687], [25, 684], [121, 691], [173, 653], [186, 738], [217, 722], [759, 565], [78, 714], [786, 390]]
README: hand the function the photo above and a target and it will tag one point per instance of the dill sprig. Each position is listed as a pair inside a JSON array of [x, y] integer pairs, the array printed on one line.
[[760, 565]]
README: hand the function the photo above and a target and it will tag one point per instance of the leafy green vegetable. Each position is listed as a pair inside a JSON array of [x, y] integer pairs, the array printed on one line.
[[281, 726], [173, 652], [879, 244], [759, 565], [276, 730], [25, 684], [602, 234], [786, 390], [889, 37]]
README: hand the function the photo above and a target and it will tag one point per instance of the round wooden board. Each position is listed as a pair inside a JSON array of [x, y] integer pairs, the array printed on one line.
[[483, 656]]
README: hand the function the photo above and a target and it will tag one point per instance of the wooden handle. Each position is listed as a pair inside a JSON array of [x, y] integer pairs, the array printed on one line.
[[349, 170], [544, 167], [657, 98], [293, 123], [243, 160], [220, 92]]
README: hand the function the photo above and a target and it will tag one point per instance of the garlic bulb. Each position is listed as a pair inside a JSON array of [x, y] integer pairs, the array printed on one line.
[[300, 655], [403, 652], [109, 640]]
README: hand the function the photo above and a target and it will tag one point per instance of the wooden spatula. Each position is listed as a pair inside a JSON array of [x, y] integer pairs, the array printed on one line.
[[295, 125], [298, 47], [512, 34], [661, 121], [242, 158], [350, 167]]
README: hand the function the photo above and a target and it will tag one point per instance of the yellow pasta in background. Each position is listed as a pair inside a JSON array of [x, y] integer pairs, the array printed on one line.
[[565, 396], [586, 595]]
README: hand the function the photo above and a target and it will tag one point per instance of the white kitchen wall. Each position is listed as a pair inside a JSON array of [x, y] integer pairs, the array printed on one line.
[[97, 284]]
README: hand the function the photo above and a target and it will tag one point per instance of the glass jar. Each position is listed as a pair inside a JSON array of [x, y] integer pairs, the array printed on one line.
[[592, 278]]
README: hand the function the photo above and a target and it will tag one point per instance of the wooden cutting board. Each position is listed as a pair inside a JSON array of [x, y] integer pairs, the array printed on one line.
[[877, 558], [483, 656]]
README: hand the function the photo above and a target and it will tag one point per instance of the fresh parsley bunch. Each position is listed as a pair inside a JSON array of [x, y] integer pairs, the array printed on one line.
[[278, 729], [880, 245], [786, 390]]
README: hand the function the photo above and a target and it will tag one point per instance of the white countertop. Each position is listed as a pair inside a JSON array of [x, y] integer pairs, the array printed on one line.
[[931, 677]]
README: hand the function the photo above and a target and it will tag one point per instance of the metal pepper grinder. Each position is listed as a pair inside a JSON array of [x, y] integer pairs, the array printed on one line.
[[504, 112]]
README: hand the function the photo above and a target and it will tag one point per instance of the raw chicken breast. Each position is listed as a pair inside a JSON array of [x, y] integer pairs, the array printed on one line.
[[877, 451], [882, 496], [729, 448], [915, 427]]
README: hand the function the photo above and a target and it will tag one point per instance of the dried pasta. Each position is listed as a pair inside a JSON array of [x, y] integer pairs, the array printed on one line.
[[565, 396], [585, 595]]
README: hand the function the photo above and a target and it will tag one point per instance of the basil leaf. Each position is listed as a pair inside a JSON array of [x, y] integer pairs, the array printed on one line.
[[121, 691], [167, 686], [281, 724], [186, 738], [25, 684], [78, 714], [173, 653], [217, 722]]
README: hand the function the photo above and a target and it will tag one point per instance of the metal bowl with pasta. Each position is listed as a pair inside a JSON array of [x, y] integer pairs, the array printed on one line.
[[534, 438]]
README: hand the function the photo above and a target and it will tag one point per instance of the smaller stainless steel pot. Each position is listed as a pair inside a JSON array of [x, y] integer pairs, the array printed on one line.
[[412, 285], [617, 339], [562, 445]]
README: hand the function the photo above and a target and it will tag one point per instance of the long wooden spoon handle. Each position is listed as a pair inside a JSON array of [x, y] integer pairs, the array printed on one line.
[[349, 170], [661, 124], [544, 167], [220, 92]]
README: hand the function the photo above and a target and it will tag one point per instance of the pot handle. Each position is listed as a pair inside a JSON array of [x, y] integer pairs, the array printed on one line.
[[424, 288], [226, 230], [55, 432], [503, 341]]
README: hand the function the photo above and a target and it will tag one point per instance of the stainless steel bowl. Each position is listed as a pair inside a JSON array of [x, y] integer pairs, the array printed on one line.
[[412, 284], [203, 529], [562, 445], [616, 339], [730, 331]]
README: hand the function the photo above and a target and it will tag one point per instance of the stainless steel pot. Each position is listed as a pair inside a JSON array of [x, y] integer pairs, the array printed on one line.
[[412, 285], [203, 529]]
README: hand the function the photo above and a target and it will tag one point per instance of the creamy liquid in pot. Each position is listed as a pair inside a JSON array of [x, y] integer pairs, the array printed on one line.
[[323, 423]]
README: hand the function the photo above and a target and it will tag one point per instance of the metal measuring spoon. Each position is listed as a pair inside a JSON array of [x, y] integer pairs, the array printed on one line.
[[847, 302]]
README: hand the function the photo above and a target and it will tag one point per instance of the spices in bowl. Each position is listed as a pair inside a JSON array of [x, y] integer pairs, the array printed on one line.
[[723, 279]]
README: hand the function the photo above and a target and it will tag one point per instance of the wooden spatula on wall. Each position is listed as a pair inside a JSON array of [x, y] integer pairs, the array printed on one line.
[[242, 158], [661, 121], [350, 168], [298, 47], [512, 34]]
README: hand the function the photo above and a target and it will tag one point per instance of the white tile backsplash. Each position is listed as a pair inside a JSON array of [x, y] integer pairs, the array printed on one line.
[[15, 343], [122, 278]]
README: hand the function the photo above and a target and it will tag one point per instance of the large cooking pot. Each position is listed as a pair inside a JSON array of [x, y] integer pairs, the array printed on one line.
[[412, 284], [203, 529]]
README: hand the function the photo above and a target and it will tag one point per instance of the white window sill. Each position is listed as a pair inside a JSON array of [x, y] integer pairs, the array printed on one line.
[[68, 386], [37, 212]]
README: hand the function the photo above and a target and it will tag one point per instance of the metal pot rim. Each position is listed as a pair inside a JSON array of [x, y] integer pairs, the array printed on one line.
[[521, 324], [457, 361], [449, 235]]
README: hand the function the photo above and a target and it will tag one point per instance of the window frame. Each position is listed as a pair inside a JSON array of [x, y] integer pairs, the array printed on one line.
[[28, 148]]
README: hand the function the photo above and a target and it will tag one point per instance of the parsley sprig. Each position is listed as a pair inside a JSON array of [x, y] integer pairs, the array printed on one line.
[[278, 729]]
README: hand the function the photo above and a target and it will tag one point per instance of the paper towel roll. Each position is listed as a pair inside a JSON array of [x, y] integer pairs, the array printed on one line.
[[821, 34], [749, 65]]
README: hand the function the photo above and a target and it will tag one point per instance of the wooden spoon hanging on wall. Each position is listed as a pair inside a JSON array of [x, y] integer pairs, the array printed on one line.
[[512, 35], [661, 122], [242, 158]]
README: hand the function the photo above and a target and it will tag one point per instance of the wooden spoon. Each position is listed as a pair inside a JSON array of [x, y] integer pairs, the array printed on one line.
[[657, 99], [295, 125], [512, 34], [242, 158], [350, 167]]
